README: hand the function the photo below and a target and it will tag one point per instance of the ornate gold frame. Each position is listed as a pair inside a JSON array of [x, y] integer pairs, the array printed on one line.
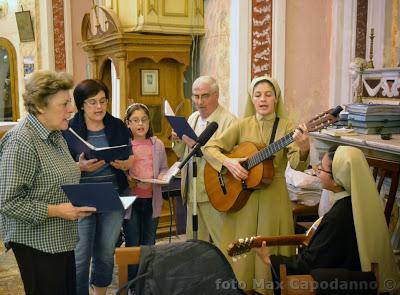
[[13, 75]]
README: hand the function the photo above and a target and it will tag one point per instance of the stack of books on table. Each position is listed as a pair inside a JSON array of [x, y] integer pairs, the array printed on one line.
[[374, 118]]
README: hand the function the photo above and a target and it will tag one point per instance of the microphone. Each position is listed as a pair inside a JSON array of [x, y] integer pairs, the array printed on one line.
[[202, 140]]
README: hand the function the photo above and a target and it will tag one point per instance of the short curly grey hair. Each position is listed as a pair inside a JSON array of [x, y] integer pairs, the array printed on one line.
[[42, 86]]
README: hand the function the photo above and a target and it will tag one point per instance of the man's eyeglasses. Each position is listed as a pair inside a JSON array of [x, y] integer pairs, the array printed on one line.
[[202, 96], [93, 102], [143, 120]]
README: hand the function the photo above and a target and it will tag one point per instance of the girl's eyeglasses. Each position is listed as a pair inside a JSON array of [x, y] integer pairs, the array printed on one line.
[[139, 120]]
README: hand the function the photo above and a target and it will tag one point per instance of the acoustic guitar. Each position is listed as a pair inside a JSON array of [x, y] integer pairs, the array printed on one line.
[[243, 246], [226, 194]]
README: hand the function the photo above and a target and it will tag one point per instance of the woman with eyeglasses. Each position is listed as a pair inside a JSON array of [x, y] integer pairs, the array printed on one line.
[[149, 162], [37, 221], [353, 234], [98, 233]]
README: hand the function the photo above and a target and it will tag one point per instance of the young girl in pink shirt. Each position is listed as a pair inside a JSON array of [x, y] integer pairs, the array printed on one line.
[[149, 161]]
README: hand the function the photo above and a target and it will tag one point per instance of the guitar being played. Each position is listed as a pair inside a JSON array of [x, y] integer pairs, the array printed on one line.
[[249, 166], [254, 193]]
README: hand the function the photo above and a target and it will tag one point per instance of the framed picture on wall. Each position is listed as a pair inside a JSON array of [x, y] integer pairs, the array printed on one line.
[[24, 24], [149, 82]]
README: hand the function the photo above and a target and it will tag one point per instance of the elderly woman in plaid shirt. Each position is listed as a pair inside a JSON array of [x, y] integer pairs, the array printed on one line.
[[36, 218]]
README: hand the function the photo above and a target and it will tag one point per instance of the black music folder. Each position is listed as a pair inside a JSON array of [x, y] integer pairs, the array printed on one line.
[[108, 154], [103, 196]]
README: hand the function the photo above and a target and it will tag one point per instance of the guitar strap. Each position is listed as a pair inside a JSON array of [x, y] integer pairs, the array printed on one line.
[[272, 139]]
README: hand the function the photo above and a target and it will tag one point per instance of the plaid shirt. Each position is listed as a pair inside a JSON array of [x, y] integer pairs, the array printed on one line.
[[34, 163]]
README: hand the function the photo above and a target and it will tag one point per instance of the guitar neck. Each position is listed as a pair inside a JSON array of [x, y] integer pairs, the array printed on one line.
[[318, 122], [268, 151], [279, 240]]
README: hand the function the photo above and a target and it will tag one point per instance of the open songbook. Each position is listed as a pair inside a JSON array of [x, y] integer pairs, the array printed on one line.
[[163, 178], [108, 154], [178, 123]]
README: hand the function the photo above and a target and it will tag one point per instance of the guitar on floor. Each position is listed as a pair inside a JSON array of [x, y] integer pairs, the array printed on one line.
[[243, 246], [226, 194]]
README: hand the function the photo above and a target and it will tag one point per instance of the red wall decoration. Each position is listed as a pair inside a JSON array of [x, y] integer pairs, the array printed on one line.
[[59, 35], [261, 52]]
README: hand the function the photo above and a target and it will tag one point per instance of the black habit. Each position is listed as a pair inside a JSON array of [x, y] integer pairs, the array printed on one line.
[[334, 244]]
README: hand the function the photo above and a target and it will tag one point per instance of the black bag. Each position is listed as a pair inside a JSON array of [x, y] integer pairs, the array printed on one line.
[[192, 267]]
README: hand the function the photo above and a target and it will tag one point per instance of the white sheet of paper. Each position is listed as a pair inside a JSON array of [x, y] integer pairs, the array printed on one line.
[[167, 109], [127, 201]]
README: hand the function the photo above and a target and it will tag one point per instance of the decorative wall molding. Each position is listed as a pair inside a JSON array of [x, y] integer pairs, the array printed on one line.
[[377, 84], [152, 6], [112, 24], [181, 12]]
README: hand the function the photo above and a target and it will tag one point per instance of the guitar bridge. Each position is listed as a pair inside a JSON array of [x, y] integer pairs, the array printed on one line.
[[222, 183]]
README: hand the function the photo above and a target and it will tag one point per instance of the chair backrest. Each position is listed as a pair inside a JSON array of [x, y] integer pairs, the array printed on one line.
[[123, 257], [390, 170], [307, 285]]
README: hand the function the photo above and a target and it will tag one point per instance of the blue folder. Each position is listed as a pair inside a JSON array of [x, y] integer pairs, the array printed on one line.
[[181, 126], [103, 196]]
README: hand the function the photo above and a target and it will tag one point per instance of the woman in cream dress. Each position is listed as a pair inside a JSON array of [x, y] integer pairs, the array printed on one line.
[[268, 211]]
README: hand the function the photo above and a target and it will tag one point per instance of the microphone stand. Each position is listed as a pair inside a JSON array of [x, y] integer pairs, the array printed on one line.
[[193, 154], [195, 220]]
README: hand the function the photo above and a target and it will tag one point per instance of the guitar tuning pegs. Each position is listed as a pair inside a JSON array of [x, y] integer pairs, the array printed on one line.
[[241, 240]]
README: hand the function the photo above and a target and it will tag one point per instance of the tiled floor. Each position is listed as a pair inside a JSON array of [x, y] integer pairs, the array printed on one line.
[[10, 280]]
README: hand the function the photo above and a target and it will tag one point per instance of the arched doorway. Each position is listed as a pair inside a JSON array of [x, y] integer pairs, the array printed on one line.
[[9, 110]]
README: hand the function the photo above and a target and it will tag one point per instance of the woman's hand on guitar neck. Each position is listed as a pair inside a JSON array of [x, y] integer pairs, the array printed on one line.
[[235, 168], [302, 139]]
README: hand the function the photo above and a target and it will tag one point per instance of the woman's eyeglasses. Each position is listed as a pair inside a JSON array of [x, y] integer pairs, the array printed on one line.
[[93, 102], [139, 120], [319, 169]]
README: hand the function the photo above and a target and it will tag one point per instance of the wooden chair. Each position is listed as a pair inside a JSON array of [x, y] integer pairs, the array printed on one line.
[[123, 257], [300, 210], [305, 284], [386, 169]]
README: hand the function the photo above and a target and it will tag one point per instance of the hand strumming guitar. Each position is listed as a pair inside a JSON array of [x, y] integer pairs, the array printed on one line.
[[234, 167]]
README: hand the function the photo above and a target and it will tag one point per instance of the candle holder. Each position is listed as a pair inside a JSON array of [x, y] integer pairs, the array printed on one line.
[[370, 63]]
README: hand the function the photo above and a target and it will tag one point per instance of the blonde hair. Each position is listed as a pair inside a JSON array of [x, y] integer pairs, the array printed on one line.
[[42, 86]]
